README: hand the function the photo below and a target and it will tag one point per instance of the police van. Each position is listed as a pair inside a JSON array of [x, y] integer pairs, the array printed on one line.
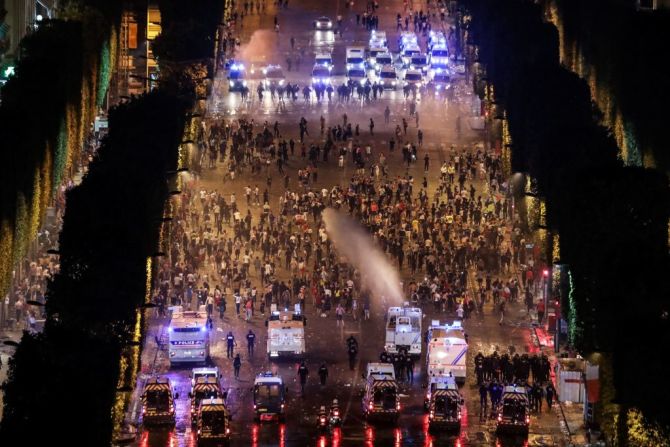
[[213, 423], [325, 59], [237, 77], [446, 351], [355, 58], [403, 330], [513, 411], [188, 336], [443, 403], [204, 388], [158, 402], [269, 396], [381, 399], [286, 333]]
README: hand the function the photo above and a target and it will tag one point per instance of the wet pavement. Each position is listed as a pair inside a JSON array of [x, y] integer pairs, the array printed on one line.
[[325, 342]]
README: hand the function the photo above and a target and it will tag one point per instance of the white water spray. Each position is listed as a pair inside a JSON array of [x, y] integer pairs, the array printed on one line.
[[354, 242]]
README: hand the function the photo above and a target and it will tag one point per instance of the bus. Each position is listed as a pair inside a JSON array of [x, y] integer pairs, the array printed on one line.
[[188, 336]]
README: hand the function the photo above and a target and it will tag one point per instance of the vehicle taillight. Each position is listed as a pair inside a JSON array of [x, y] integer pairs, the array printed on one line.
[[397, 406], [323, 419], [500, 418], [432, 414], [227, 431], [254, 406], [527, 419], [282, 406], [459, 415], [336, 413], [371, 406]]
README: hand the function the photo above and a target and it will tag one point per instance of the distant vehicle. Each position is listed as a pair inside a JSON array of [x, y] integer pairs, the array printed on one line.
[[381, 60], [407, 53], [286, 333], [269, 396], [388, 77], [188, 336], [441, 82], [439, 58], [513, 411], [325, 59], [443, 403], [446, 353], [196, 373], [321, 75], [237, 77], [413, 78], [403, 327], [204, 388], [355, 57], [381, 398], [323, 23], [356, 76], [436, 38], [419, 62], [274, 76], [378, 37], [158, 402], [213, 423], [407, 38]]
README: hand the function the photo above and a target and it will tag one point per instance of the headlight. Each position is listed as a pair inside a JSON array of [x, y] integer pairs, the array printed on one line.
[[362, 81], [244, 83], [393, 82], [314, 80], [231, 83], [438, 86], [281, 82], [330, 24]]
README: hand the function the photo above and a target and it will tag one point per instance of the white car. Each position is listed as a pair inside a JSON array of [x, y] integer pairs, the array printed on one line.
[[325, 59], [439, 57], [320, 75], [441, 82], [356, 76], [373, 52], [355, 57], [274, 76], [388, 78], [407, 38], [436, 38], [407, 53], [379, 37], [382, 60], [414, 78], [323, 23], [419, 62]]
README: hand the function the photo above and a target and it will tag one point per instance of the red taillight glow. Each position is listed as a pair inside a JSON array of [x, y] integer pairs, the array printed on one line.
[[371, 406], [397, 406], [432, 414], [500, 418]]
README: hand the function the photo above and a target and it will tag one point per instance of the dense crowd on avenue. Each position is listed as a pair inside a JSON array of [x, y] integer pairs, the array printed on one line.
[[454, 245]]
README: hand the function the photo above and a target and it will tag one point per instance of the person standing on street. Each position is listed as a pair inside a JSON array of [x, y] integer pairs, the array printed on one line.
[[230, 344], [323, 374], [238, 301], [483, 400], [251, 340], [237, 363], [372, 127], [303, 372], [387, 115], [550, 394]]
